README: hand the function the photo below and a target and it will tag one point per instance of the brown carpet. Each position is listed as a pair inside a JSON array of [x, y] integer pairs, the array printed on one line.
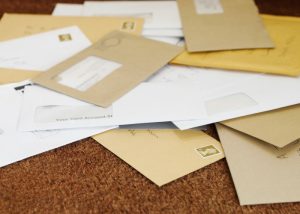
[[86, 178]]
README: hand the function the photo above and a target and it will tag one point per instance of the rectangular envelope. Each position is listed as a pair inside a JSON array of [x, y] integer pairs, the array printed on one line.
[[110, 68], [15, 145], [161, 17], [283, 59], [211, 25], [93, 27], [162, 155], [63, 9], [279, 127], [261, 172]]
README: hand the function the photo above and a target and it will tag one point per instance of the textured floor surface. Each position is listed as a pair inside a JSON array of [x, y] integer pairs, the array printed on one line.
[[86, 178]]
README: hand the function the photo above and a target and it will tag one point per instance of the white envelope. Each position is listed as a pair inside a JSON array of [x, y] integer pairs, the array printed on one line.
[[41, 51], [243, 96], [147, 103], [15, 145], [64, 9], [161, 17]]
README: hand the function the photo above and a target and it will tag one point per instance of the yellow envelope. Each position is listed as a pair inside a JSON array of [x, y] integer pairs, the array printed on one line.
[[15, 25], [162, 155], [283, 59]]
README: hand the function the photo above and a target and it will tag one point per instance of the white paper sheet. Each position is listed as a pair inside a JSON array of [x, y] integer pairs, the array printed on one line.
[[41, 51], [15, 145], [161, 17]]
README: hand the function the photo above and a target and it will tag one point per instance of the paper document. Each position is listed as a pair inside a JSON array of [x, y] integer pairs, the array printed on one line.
[[162, 155], [261, 172]]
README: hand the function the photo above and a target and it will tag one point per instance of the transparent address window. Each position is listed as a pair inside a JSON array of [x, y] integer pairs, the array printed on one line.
[[87, 73], [208, 7]]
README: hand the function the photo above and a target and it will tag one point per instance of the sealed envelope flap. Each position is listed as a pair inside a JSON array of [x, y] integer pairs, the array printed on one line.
[[108, 69], [210, 25], [279, 127]]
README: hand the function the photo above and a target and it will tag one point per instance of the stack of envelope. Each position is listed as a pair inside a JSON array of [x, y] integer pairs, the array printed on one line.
[[145, 78]]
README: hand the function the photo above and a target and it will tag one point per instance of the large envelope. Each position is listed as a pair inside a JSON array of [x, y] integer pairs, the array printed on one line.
[[109, 68], [261, 172], [283, 59], [93, 27], [161, 17], [162, 155], [15, 145], [243, 95], [279, 127], [210, 25]]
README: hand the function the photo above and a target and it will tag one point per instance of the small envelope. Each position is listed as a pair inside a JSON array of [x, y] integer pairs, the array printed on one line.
[[279, 127], [93, 27], [161, 17], [162, 155], [222, 25], [283, 59], [108, 69], [41, 51], [261, 172]]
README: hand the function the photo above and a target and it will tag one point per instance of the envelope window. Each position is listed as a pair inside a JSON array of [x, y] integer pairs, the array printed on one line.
[[208, 7], [87, 73]]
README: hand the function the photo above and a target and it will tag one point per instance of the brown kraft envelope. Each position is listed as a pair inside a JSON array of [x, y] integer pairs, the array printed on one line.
[[108, 69], [279, 127], [211, 25], [262, 173]]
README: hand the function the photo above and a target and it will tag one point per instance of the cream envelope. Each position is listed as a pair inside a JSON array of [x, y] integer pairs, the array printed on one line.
[[161, 17], [41, 51], [279, 127], [162, 155], [251, 94], [93, 27], [210, 25], [147, 103], [16, 146], [62, 9], [108, 69], [261, 172], [283, 59]]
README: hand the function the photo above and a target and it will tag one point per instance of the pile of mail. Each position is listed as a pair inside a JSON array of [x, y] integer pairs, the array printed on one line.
[[143, 79]]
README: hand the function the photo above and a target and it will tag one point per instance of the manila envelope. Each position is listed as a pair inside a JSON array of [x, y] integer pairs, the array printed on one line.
[[16, 25], [284, 59], [109, 68], [162, 155], [279, 127], [210, 25], [261, 172]]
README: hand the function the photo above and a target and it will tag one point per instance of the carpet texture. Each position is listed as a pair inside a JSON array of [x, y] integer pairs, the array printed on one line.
[[84, 177]]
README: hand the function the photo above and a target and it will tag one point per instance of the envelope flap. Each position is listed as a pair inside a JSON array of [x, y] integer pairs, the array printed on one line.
[[279, 127]]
